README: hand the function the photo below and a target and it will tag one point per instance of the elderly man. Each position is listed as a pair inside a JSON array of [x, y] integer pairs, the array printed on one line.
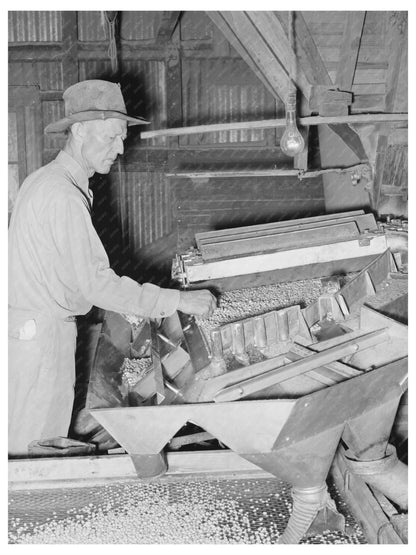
[[58, 267]]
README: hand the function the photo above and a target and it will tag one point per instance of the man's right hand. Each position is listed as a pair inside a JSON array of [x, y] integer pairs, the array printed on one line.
[[200, 303]]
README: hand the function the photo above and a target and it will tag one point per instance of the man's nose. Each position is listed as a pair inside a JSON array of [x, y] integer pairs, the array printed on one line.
[[119, 146]]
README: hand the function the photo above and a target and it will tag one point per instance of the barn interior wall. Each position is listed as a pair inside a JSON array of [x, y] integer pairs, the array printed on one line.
[[142, 215], [182, 77]]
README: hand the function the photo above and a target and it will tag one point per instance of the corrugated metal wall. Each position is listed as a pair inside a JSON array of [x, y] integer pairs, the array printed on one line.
[[146, 206], [222, 91], [35, 26], [133, 26], [47, 75]]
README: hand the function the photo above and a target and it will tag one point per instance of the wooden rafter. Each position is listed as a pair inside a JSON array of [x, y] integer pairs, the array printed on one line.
[[349, 49], [351, 139], [262, 42], [274, 36], [307, 52]]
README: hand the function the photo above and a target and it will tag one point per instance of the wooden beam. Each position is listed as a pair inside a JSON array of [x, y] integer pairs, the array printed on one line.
[[272, 32], [231, 173], [167, 26], [129, 50], [307, 53], [300, 173], [59, 472], [271, 123], [351, 139], [261, 41], [382, 144], [349, 49], [35, 52], [272, 82]]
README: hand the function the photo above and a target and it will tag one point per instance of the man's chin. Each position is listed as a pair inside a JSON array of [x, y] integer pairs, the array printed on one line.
[[104, 169]]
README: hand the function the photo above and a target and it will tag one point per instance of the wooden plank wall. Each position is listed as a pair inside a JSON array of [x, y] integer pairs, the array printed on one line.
[[369, 85]]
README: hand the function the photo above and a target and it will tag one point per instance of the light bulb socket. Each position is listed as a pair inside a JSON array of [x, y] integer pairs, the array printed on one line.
[[291, 101]]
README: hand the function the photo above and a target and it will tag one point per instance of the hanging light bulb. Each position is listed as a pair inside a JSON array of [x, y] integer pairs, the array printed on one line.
[[292, 142]]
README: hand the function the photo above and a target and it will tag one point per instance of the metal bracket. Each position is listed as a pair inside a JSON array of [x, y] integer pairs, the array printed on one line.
[[364, 242], [365, 238]]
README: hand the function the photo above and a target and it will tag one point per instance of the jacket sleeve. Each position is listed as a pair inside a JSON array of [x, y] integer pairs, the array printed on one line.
[[85, 256]]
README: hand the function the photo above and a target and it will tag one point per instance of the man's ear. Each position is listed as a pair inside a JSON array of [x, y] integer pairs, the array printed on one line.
[[78, 130]]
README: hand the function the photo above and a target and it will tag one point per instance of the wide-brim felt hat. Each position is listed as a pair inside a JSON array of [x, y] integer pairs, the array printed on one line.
[[93, 100]]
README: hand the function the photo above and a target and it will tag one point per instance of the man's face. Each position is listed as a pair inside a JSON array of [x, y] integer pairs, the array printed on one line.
[[102, 143]]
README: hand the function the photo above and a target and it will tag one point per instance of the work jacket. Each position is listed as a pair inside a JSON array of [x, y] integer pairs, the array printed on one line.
[[58, 268]]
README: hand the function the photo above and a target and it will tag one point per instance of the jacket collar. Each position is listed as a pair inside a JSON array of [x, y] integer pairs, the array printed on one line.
[[77, 173]]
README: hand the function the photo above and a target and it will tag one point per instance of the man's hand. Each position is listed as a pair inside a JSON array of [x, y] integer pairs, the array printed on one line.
[[198, 303]]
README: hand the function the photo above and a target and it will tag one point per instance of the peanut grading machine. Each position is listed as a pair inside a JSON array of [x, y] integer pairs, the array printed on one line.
[[327, 375], [297, 392], [281, 251]]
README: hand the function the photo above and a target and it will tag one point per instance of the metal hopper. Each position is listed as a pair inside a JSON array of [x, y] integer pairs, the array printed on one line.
[[293, 439]]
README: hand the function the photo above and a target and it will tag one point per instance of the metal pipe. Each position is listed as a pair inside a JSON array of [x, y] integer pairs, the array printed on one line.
[[388, 475], [150, 465], [307, 504]]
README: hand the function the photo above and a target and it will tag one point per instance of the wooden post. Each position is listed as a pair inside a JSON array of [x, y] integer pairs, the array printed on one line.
[[173, 86], [167, 26], [396, 88], [70, 74]]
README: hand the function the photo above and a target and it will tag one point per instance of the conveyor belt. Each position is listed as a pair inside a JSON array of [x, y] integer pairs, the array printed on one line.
[[221, 511]]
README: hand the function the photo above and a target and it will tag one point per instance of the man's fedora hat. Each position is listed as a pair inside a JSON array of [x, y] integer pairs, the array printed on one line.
[[91, 100]]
